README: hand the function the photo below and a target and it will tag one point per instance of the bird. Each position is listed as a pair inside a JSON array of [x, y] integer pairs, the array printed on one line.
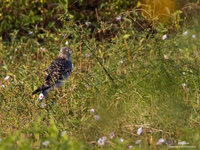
[[57, 72]]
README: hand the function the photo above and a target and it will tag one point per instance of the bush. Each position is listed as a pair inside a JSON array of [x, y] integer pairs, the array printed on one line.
[[24, 15]]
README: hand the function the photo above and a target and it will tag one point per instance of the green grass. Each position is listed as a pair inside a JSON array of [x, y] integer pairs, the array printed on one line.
[[147, 90]]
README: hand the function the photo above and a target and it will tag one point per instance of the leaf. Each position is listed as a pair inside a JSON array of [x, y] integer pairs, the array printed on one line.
[[126, 36]]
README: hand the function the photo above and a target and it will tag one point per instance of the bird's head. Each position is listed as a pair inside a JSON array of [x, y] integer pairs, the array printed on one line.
[[65, 52]]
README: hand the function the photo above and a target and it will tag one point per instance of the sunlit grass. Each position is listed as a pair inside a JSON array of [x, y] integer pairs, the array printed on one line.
[[155, 88]]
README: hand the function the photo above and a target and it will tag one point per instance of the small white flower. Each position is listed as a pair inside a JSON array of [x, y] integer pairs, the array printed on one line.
[[41, 96], [87, 23], [183, 73], [130, 147], [67, 43], [138, 142], [100, 142], [182, 143], [121, 61], [168, 142], [165, 57], [164, 36], [193, 36], [87, 86], [63, 133], [42, 49], [2, 86], [111, 135], [43, 105], [118, 18], [45, 143], [87, 55], [7, 77], [160, 141], [139, 131], [185, 33], [30, 32], [63, 35], [184, 85], [92, 111], [96, 117], [104, 138], [121, 140], [11, 57]]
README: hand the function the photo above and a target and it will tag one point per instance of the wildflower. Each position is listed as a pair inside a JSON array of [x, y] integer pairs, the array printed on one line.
[[2, 86], [7, 77], [165, 57], [130, 147], [196, 54], [30, 32], [185, 33], [63, 35], [92, 111], [168, 142], [104, 138], [87, 86], [43, 105], [160, 141], [193, 36], [41, 96], [87, 55], [121, 140], [87, 24], [45, 143], [96, 117], [118, 18], [184, 85], [183, 73], [121, 61], [100, 142], [164, 37], [111, 135], [139, 131], [63, 133], [138, 141], [42, 49], [182, 143], [67, 43], [11, 57]]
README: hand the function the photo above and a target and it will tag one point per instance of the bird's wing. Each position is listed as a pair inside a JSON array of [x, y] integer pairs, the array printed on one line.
[[56, 71]]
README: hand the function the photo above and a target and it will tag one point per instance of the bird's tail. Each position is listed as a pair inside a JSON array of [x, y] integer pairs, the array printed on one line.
[[41, 88], [36, 91]]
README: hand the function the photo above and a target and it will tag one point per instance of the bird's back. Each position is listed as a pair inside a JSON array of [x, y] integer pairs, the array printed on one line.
[[57, 71]]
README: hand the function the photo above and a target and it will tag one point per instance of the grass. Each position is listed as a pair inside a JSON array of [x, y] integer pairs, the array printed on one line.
[[155, 86]]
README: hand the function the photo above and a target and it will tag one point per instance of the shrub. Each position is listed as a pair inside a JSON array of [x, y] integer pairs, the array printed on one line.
[[24, 15]]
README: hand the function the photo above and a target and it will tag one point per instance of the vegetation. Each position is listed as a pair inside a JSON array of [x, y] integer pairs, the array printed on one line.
[[135, 82]]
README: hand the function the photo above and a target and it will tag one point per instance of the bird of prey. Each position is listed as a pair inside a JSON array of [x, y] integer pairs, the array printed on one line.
[[58, 71]]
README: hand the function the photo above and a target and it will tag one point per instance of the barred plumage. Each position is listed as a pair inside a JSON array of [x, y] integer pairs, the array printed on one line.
[[58, 71]]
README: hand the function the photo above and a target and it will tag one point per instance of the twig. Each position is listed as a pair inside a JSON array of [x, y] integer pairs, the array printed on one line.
[[97, 58]]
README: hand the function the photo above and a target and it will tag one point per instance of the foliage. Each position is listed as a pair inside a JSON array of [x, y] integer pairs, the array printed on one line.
[[105, 9], [23, 15]]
